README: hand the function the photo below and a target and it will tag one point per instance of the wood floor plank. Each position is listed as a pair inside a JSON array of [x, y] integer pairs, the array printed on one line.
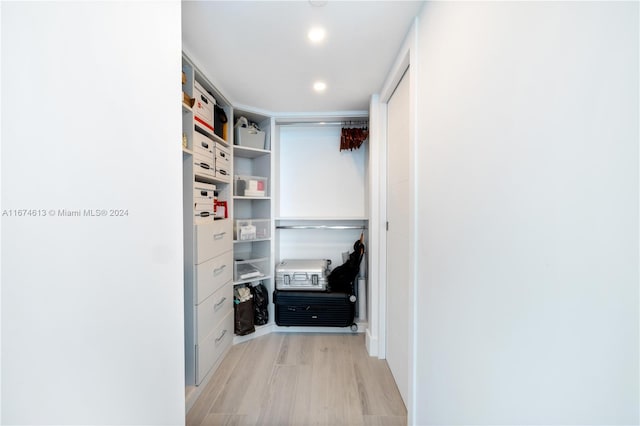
[[378, 392], [215, 386], [244, 387], [301, 412], [300, 379], [344, 398], [225, 420], [296, 349], [280, 396], [385, 420]]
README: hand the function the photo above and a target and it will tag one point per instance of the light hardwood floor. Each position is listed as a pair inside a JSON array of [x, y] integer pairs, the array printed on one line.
[[300, 379]]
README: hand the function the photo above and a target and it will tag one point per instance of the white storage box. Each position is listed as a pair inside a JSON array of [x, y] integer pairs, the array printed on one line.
[[250, 186], [223, 156], [249, 137], [203, 196], [251, 229], [302, 274], [203, 108], [203, 145], [251, 269], [204, 190], [223, 172], [203, 166]]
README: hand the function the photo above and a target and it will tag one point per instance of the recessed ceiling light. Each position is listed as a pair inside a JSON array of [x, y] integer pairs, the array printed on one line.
[[316, 34], [319, 86]]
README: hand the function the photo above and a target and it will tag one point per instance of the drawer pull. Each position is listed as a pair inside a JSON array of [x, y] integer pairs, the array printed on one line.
[[205, 166], [222, 172], [204, 144], [217, 305], [222, 335], [219, 236], [219, 270]]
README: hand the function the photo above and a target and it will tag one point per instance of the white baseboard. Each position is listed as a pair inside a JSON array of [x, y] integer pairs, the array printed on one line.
[[361, 327], [273, 328], [372, 343], [261, 330]]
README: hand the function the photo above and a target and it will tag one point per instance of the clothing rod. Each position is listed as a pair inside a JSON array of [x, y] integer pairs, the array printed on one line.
[[320, 227], [358, 122]]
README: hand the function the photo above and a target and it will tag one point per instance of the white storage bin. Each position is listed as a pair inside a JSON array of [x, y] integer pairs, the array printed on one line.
[[250, 186], [203, 108], [250, 269], [249, 137], [251, 229], [223, 155], [203, 191], [202, 145], [222, 172], [203, 166]]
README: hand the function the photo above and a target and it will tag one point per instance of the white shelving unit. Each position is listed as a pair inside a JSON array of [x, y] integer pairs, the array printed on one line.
[[208, 246], [254, 163]]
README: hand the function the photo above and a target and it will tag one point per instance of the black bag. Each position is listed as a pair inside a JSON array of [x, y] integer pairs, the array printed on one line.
[[243, 318], [260, 304], [342, 278], [219, 119]]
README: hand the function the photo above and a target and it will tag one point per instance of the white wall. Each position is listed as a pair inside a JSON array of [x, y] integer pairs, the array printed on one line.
[[528, 213], [316, 178], [92, 312]]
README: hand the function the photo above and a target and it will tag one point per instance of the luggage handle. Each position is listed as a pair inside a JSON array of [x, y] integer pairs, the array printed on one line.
[[300, 276]]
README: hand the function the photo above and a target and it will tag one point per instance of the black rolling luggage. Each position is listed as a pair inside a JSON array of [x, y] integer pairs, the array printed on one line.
[[304, 308]]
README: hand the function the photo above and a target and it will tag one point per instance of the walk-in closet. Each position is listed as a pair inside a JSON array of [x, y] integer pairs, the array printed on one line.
[[319, 212], [291, 183]]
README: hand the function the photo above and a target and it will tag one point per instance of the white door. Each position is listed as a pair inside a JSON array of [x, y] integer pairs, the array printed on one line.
[[398, 237]]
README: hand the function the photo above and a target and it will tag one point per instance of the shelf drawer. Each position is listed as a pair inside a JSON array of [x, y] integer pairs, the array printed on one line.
[[213, 309], [213, 346], [212, 239], [213, 274]]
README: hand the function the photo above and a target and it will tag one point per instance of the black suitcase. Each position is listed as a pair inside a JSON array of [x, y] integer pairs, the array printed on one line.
[[306, 308]]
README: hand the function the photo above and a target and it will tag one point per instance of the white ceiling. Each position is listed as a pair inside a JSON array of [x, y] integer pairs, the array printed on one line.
[[258, 54]]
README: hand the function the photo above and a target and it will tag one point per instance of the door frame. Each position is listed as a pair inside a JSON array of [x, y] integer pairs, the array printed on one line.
[[376, 334]]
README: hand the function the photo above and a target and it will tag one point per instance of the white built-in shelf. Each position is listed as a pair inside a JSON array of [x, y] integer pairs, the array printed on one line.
[[250, 280], [321, 219], [211, 136], [187, 151], [335, 227], [246, 152], [237, 197], [250, 241], [186, 108]]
